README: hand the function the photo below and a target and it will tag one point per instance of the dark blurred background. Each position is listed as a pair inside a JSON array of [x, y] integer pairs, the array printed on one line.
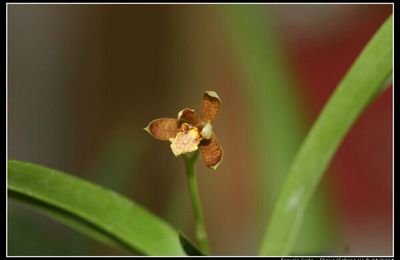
[[83, 81]]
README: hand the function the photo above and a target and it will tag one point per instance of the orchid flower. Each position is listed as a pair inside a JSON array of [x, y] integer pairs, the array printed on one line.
[[190, 132]]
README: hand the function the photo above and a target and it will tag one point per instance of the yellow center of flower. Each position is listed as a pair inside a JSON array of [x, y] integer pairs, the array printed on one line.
[[186, 141]]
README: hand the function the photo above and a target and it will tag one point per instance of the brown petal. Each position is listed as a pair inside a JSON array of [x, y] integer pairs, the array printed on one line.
[[163, 128], [211, 104], [188, 115], [211, 152]]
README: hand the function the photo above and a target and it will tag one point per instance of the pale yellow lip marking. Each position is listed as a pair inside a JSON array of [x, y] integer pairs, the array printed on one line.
[[188, 140], [185, 142]]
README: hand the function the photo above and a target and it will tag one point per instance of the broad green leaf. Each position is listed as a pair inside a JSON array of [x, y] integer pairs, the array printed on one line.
[[96, 211], [69, 220], [23, 220], [188, 246], [363, 82]]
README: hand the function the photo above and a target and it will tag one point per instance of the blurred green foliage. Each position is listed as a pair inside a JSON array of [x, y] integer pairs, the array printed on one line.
[[270, 87]]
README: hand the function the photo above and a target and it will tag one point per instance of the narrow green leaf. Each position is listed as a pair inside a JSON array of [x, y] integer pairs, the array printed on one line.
[[96, 211], [188, 246], [363, 82]]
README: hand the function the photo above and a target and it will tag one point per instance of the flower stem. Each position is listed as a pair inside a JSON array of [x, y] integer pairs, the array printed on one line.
[[201, 233]]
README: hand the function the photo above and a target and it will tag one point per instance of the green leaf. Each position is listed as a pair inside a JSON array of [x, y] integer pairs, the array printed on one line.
[[70, 220], [189, 247], [363, 82], [91, 209], [23, 220]]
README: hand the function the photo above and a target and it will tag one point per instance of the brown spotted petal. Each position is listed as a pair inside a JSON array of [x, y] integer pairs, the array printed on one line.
[[188, 115], [163, 128], [211, 105], [212, 152]]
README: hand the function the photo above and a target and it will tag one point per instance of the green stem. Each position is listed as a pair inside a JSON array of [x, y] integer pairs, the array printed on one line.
[[201, 233]]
